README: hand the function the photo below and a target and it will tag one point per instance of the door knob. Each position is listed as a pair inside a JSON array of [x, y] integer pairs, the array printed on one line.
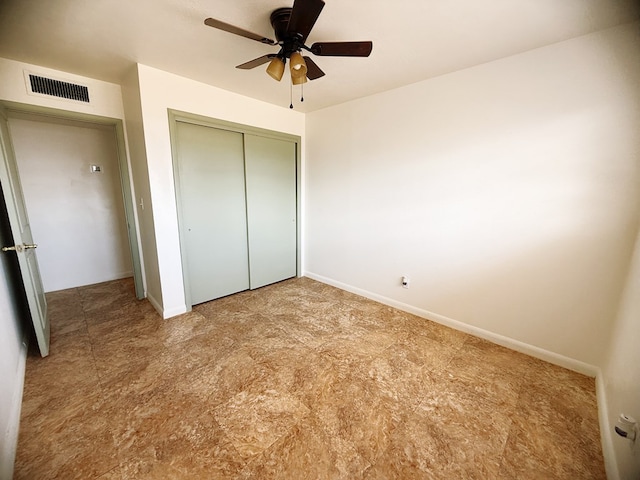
[[19, 248]]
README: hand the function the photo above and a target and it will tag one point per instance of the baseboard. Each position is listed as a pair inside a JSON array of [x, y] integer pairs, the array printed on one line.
[[606, 439], [155, 304], [121, 275], [165, 313], [10, 441], [542, 354], [172, 312]]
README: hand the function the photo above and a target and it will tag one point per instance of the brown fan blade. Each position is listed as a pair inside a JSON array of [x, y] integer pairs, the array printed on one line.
[[256, 62], [342, 49], [303, 17], [313, 70], [212, 22]]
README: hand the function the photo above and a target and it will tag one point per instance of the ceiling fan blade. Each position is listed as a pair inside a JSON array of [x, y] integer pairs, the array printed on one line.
[[342, 49], [256, 62], [313, 70], [303, 17], [212, 22]]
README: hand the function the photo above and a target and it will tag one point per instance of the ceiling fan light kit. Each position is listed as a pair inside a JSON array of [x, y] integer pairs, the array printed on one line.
[[276, 68], [298, 80], [297, 65], [292, 27]]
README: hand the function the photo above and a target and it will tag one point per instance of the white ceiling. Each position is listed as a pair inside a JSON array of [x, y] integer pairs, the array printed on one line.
[[412, 39]]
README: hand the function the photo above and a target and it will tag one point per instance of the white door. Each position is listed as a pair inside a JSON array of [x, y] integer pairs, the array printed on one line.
[[271, 209], [23, 246], [213, 211]]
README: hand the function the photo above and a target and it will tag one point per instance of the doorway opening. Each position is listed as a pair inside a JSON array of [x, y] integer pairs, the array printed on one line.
[[76, 182]]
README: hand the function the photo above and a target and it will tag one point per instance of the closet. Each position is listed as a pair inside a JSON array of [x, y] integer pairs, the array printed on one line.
[[237, 201]]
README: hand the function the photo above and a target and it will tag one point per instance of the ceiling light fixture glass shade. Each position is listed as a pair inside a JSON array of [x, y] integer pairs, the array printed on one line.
[[298, 65], [276, 68], [298, 80]]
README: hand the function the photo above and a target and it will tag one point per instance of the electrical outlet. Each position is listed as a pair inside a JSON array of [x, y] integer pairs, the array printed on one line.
[[405, 282]]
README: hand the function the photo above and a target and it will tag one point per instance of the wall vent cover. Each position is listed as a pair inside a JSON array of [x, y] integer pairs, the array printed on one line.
[[57, 88]]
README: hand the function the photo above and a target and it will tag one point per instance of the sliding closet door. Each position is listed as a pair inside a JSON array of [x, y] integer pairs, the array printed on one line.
[[213, 208], [271, 209]]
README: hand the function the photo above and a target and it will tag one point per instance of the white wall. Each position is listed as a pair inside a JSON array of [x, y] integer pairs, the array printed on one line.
[[160, 91], [77, 217], [106, 98], [140, 178], [508, 192], [621, 374]]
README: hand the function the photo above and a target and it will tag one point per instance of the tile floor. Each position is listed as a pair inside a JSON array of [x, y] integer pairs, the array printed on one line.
[[297, 380]]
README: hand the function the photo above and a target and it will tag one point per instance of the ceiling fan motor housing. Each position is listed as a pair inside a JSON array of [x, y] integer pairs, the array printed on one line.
[[291, 42]]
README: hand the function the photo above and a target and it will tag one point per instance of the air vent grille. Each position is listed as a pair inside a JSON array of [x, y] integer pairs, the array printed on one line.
[[57, 88]]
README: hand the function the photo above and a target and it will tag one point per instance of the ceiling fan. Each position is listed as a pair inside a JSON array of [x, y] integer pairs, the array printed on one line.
[[292, 27]]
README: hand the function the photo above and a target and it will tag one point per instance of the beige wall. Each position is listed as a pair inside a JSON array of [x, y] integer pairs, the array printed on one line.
[[140, 177], [508, 192], [160, 91], [106, 98]]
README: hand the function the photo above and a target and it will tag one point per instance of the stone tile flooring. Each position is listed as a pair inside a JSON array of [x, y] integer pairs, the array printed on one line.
[[297, 380]]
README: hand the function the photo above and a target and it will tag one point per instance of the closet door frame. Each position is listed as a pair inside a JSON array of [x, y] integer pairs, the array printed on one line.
[[176, 116]]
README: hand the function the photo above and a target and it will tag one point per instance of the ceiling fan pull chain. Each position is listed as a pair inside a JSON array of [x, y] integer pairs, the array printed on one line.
[[291, 94]]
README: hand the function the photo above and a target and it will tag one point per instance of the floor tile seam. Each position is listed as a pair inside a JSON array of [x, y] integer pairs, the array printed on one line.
[[436, 370], [493, 363], [177, 343], [336, 359], [256, 458], [98, 313], [114, 470], [101, 376], [328, 434], [445, 365], [513, 435], [99, 475], [108, 430], [489, 364], [559, 416], [459, 347], [395, 422], [93, 361], [289, 337], [441, 369], [440, 380], [469, 342], [520, 391], [502, 455]]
